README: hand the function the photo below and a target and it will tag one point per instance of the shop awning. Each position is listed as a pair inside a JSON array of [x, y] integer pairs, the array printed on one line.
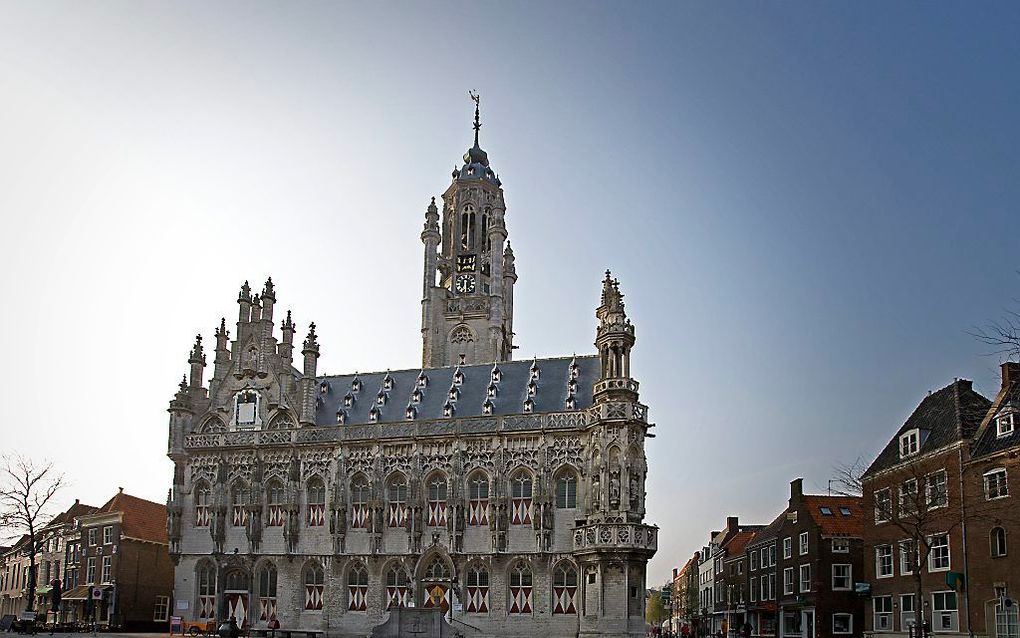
[[78, 593], [42, 590]]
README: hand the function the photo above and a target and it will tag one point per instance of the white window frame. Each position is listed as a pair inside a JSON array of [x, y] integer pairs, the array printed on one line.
[[1002, 489], [90, 570], [788, 581], [841, 546], [908, 498], [803, 542], [906, 567], [850, 624], [162, 604], [763, 588], [92, 536], [788, 547], [932, 556], [754, 590], [1005, 424], [879, 555], [772, 585], [928, 492], [904, 612], [805, 583], [772, 555], [849, 576], [887, 625], [107, 534], [884, 494], [992, 542], [754, 560], [107, 574], [1007, 623], [910, 443], [936, 614]]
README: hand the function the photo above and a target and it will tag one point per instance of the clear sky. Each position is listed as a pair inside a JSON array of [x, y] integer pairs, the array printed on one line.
[[807, 204]]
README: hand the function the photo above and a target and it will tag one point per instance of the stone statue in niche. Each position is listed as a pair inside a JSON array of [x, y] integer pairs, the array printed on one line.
[[635, 491], [596, 492], [614, 489]]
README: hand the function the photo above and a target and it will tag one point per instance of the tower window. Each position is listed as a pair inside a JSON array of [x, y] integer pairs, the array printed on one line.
[[467, 224]]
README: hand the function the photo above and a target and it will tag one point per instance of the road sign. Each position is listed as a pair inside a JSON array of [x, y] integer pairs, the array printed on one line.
[[97, 593]]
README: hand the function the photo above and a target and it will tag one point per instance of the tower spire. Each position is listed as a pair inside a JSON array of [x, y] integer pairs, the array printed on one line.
[[478, 121]]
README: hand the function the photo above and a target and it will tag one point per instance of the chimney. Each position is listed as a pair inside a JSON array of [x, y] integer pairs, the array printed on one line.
[[1010, 374], [796, 489], [675, 573], [731, 524]]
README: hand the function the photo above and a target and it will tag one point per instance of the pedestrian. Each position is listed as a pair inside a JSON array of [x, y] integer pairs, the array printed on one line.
[[745, 630]]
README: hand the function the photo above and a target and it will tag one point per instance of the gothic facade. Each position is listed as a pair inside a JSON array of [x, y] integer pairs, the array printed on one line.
[[510, 494]]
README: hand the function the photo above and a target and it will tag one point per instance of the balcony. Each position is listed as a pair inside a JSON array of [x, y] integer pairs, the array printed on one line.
[[616, 536]]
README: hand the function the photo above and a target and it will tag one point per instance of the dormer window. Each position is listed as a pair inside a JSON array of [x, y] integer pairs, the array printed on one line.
[[373, 415], [910, 443], [487, 407], [1005, 423], [324, 387], [356, 385], [448, 410], [453, 394], [348, 400], [416, 396], [534, 370], [532, 388], [423, 380], [826, 511], [575, 370], [341, 417], [845, 511], [529, 406], [491, 391], [458, 377], [572, 387], [387, 383], [409, 413], [380, 399], [496, 374], [571, 402]]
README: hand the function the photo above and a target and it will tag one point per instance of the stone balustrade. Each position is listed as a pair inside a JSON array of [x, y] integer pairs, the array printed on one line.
[[619, 536]]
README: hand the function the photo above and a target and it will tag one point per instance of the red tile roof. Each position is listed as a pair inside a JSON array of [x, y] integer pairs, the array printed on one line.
[[737, 543], [837, 524], [141, 518]]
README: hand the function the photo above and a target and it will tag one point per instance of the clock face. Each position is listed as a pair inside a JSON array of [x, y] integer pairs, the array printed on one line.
[[465, 283]]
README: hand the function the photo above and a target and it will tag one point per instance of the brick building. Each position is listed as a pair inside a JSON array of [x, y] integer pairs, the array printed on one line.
[[122, 548]]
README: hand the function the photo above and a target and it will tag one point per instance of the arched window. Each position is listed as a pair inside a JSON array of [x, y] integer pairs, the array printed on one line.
[[275, 497], [240, 496], [316, 503], [437, 585], [206, 591], [485, 230], [236, 592], [203, 498], [437, 570], [396, 492], [477, 590], [437, 501], [357, 588], [267, 592], [564, 589], [478, 499], [359, 502], [397, 594], [314, 579], [520, 589], [998, 538], [467, 227], [520, 498], [566, 490]]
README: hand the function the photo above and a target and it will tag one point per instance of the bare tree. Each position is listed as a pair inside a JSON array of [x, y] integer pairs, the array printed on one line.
[[26, 491], [1002, 335]]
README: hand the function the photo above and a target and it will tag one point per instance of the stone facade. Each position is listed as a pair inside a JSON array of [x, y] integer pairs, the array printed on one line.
[[511, 494]]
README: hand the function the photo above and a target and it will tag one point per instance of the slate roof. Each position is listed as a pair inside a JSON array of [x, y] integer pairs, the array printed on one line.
[[512, 391], [770, 532], [141, 519], [73, 512], [987, 440], [944, 417], [837, 524]]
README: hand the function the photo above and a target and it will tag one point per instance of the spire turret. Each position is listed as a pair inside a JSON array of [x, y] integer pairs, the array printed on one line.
[[197, 361], [287, 345], [614, 340]]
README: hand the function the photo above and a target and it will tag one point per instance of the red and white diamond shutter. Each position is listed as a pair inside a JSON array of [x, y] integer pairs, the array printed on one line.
[[314, 586], [267, 608], [267, 592], [316, 498], [437, 595], [238, 516], [397, 509], [316, 514], [275, 515], [206, 607], [477, 590], [237, 608], [478, 499], [359, 504], [239, 498], [202, 501], [206, 592], [520, 501], [520, 590], [357, 589], [437, 502], [397, 592], [564, 590]]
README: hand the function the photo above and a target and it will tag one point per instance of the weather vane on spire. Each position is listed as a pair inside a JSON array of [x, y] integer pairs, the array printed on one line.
[[478, 123]]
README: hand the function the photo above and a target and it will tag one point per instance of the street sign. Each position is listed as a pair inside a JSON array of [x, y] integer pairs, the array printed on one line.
[[97, 593]]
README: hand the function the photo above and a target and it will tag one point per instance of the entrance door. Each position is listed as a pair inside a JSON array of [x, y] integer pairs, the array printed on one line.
[[808, 623], [237, 607]]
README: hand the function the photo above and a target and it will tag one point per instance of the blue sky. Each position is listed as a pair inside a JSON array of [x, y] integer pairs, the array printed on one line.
[[807, 204]]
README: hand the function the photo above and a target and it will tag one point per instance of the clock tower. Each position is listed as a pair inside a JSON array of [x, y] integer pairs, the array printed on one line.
[[467, 298]]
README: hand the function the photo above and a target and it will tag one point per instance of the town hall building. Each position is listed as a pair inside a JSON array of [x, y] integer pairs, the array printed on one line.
[[508, 494]]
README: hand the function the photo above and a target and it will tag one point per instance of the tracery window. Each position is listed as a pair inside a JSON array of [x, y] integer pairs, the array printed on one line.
[[397, 592], [467, 227], [437, 501], [239, 498], [206, 592], [359, 503], [397, 493], [520, 589], [274, 504], [316, 503], [478, 499], [202, 501], [437, 585], [477, 590], [267, 593], [314, 579], [357, 588], [520, 499], [564, 589], [566, 490]]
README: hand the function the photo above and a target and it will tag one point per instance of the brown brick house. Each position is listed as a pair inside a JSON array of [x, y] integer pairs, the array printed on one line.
[[124, 552]]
